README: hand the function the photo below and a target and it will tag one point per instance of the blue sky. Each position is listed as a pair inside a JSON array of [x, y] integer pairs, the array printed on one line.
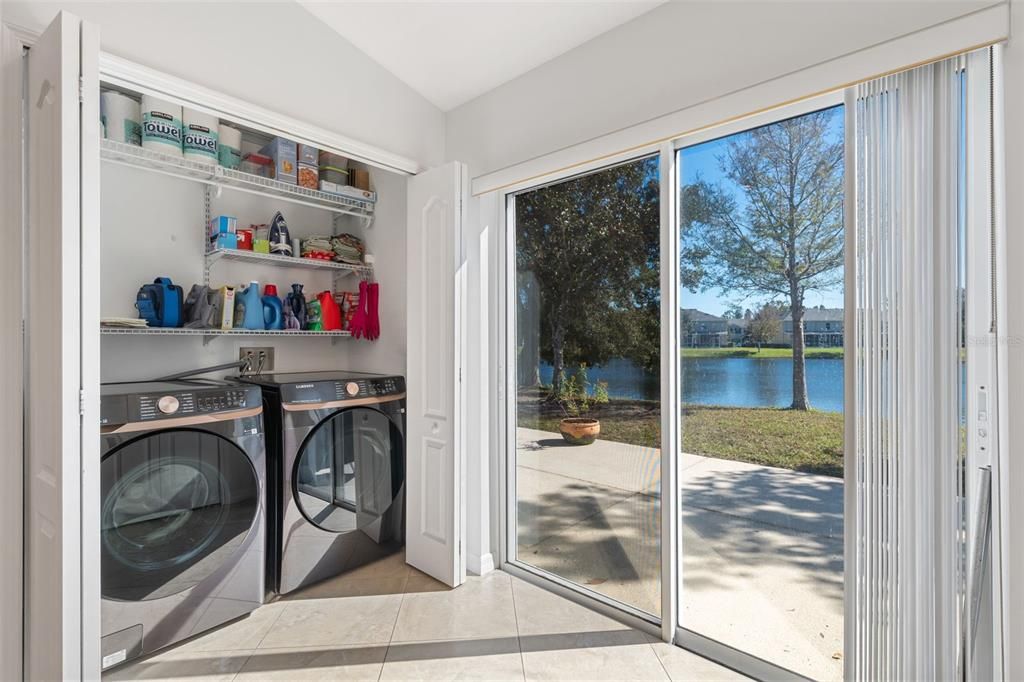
[[702, 160]]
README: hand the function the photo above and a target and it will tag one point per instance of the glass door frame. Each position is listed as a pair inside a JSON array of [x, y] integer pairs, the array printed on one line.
[[692, 640], [666, 628], [507, 523]]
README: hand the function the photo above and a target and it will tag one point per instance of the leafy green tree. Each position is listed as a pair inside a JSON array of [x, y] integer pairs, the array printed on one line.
[[587, 253], [765, 325], [781, 234]]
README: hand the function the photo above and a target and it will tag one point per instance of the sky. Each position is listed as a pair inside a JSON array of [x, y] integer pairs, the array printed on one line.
[[702, 160]]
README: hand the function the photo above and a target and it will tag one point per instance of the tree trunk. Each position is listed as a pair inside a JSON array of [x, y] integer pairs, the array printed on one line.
[[800, 401], [557, 355]]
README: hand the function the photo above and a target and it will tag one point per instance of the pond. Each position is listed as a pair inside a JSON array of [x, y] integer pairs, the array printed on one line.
[[736, 382]]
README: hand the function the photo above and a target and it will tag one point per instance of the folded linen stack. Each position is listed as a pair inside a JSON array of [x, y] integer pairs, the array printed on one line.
[[348, 249], [318, 247], [122, 322]]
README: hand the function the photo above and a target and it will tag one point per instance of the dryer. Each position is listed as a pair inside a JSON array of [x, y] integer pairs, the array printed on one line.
[[336, 472], [182, 511]]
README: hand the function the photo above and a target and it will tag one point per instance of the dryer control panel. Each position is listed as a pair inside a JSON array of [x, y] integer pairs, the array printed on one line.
[[171, 400]]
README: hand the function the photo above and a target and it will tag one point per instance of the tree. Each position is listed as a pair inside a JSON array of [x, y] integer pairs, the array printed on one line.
[[765, 325], [589, 250], [733, 312], [776, 227]]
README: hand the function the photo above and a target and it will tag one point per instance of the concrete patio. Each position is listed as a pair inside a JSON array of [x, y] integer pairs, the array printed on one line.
[[762, 547]]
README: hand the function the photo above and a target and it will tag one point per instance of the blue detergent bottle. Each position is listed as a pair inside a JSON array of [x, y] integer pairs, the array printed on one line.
[[249, 308], [273, 309]]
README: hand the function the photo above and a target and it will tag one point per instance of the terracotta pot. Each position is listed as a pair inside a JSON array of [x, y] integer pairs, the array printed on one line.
[[579, 430]]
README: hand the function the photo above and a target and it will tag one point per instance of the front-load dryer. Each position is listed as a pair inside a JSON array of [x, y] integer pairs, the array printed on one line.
[[182, 512], [335, 474]]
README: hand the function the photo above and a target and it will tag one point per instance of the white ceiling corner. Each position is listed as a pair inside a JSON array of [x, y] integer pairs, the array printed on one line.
[[452, 52]]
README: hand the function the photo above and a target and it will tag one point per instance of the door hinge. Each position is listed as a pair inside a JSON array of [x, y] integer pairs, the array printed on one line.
[[81, 402], [81, 89]]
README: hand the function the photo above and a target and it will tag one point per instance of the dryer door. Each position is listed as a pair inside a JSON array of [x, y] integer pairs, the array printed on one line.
[[349, 473], [176, 505]]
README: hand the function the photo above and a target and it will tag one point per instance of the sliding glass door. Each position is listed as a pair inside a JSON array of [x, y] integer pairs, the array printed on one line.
[[819, 362], [587, 419], [761, 376]]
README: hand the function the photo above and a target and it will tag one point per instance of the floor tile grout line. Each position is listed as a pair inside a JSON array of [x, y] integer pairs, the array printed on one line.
[[668, 675], [394, 626], [273, 623], [515, 615]]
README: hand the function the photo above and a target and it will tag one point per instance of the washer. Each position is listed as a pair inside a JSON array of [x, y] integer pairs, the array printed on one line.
[[182, 517], [336, 472]]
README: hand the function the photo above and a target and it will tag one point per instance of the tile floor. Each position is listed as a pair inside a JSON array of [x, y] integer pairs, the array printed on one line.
[[388, 621]]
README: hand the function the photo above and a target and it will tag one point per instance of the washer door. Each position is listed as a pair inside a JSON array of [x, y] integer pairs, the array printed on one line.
[[177, 504], [349, 472]]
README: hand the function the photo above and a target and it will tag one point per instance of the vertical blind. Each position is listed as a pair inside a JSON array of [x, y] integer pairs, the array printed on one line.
[[904, 557]]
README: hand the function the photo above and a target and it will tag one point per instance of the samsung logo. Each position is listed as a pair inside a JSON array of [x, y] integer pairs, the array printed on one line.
[[304, 385]]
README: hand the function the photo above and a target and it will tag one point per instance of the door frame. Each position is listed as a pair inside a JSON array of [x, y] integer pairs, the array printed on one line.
[[78, 575]]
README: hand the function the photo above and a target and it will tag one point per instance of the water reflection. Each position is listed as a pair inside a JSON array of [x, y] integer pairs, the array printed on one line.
[[736, 382]]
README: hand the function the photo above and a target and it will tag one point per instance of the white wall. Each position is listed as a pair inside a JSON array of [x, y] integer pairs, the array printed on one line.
[[677, 56], [274, 54]]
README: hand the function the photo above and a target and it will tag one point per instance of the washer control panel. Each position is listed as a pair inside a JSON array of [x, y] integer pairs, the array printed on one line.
[[377, 387]]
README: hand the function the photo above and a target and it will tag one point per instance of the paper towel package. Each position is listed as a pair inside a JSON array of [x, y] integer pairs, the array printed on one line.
[[161, 126], [121, 118], [200, 132], [229, 146]]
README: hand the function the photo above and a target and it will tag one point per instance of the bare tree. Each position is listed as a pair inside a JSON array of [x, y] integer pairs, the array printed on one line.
[[778, 231]]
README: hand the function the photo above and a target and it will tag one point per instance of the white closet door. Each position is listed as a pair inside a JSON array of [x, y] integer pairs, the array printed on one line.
[[62, 332], [434, 486], [11, 417]]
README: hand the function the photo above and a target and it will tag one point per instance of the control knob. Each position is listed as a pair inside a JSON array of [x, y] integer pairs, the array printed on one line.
[[168, 404], [352, 388]]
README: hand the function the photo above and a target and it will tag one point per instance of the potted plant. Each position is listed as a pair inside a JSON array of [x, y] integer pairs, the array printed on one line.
[[576, 395]]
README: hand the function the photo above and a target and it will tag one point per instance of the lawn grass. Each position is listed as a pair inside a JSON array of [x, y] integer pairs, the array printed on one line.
[[811, 442], [768, 353]]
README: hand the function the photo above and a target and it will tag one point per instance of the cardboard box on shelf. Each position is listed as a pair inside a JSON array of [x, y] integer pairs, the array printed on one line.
[[308, 176], [227, 307], [308, 154], [284, 154]]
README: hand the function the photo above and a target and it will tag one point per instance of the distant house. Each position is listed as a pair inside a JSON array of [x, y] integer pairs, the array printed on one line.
[[703, 330], [823, 327], [738, 334]]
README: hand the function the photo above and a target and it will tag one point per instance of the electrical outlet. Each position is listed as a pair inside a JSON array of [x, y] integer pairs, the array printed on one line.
[[261, 359]]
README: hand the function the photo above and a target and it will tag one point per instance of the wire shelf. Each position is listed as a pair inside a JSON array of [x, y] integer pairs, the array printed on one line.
[[286, 261], [212, 174], [182, 331]]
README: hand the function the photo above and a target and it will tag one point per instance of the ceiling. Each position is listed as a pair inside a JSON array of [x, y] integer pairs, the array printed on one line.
[[451, 52]]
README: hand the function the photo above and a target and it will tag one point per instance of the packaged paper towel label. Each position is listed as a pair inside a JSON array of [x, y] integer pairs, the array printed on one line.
[[119, 115], [200, 140], [161, 126]]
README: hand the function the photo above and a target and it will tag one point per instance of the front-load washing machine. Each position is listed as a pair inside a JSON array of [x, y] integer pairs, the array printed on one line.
[[335, 474], [182, 511]]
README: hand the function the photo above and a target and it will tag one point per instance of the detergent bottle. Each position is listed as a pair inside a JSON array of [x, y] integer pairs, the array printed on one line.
[[296, 301], [273, 310], [249, 308], [330, 314]]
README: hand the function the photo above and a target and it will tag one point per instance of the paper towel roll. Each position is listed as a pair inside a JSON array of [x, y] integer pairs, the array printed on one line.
[[161, 125], [121, 118], [230, 146], [199, 140]]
